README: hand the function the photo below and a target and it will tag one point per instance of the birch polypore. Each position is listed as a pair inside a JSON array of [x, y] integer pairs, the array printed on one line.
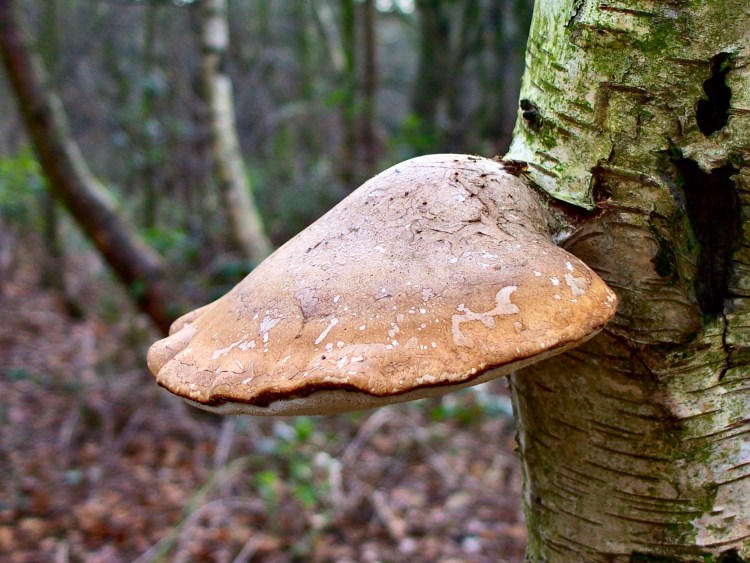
[[436, 274]]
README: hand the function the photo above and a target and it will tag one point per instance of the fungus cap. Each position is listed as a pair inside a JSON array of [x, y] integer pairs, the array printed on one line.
[[436, 274]]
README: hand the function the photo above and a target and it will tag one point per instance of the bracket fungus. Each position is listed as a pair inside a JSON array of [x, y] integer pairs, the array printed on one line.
[[436, 274]]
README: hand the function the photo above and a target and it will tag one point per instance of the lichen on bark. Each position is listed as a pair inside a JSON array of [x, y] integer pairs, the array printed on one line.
[[637, 445]]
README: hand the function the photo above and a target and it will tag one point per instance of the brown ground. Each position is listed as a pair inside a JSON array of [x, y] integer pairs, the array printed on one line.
[[99, 464]]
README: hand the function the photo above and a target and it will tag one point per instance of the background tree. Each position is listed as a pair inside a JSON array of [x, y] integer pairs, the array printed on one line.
[[369, 89], [245, 223], [54, 265], [70, 178], [348, 28]]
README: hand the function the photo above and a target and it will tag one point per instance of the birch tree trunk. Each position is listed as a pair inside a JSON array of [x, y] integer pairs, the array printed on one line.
[[72, 181], [636, 447], [245, 223]]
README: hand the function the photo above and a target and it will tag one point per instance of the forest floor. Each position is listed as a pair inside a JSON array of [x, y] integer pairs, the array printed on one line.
[[98, 464]]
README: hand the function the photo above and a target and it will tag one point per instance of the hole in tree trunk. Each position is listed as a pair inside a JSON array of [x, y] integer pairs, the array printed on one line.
[[712, 113], [731, 556], [638, 557], [713, 207]]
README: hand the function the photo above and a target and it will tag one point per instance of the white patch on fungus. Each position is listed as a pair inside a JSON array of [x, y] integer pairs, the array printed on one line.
[[224, 351], [554, 281], [246, 381], [503, 306], [267, 324], [337, 380], [538, 274], [332, 323], [427, 378], [336, 299], [569, 266], [577, 286]]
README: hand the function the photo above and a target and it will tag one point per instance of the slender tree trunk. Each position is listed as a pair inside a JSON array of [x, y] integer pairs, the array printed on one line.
[[450, 35], [349, 103], [245, 222], [507, 23], [264, 21], [434, 55], [54, 261], [636, 447], [146, 110], [369, 88], [466, 44], [70, 178], [309, 138]]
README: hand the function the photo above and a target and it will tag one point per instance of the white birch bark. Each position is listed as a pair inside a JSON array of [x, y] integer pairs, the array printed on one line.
[[245, 223], [636, 447]]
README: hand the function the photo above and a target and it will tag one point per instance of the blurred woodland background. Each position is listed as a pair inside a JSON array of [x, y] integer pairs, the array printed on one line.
[[96, 462]]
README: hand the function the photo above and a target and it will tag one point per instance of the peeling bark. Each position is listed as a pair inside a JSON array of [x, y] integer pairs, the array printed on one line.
[[636, 446]]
